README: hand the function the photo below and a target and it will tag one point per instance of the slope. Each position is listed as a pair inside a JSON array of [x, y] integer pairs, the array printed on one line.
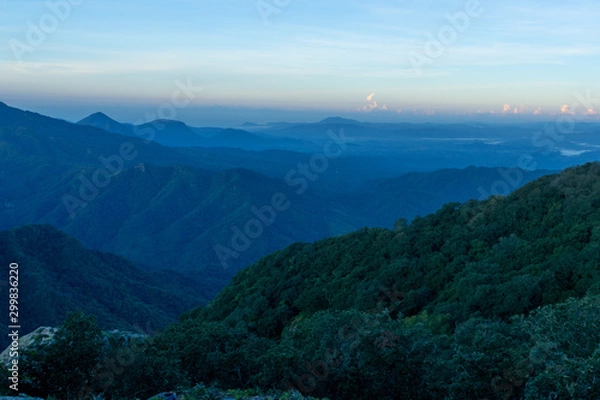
[[488, 299], [57, 275], [499, 257]]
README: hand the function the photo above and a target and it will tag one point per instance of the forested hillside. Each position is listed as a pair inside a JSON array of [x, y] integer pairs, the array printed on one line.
[[496, 299], [439, 308], [58, 275]]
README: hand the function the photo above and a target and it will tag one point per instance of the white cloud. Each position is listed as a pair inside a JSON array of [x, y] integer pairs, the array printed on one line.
[[373, 105], [369, 107]]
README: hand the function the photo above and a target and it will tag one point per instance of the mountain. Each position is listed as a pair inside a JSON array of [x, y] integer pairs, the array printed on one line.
[[235, 138], [162, 131], [516, 243], [103, 121], [122, 195], [169, 133], [338, 120], [190, 213], [177, 134], [58, 275], [155, 206], [504, 290], [477, 300], [44, 142], [420, 193]]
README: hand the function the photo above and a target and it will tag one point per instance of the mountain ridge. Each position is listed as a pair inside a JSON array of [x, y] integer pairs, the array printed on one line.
[[58, 275]]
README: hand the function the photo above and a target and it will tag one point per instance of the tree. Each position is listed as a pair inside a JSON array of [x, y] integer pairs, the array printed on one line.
[[64, 367]]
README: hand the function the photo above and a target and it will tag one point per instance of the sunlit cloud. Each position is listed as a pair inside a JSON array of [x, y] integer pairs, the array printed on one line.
[[373, 105], [565, 109]]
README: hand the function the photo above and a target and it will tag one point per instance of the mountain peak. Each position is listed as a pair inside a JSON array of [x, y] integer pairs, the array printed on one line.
[[338, 120], [96, 118]]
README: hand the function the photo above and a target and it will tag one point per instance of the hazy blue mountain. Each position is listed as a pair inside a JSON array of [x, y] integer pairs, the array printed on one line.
[[124, 195], [58, 275], [103, 121], [162, 131], [178, 134], [420, 193]]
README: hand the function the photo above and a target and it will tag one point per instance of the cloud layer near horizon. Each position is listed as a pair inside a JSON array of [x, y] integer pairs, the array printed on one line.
[[532, 56]]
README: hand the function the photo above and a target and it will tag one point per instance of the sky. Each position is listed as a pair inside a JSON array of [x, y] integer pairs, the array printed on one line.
[[224, 62]]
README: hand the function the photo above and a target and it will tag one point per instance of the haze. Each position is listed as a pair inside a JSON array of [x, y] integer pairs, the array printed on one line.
[[272, 60]]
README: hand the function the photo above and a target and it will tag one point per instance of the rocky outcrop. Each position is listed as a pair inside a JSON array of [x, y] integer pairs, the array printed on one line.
[[42, 335]]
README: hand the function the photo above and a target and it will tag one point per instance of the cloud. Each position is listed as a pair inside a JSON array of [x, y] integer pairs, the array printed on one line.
[[373, 105], [572, 153], [565, 109], [506, 108], [591, 111], [370, 107], [538, 111]]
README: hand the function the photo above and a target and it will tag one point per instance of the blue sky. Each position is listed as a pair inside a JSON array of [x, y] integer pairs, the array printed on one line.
[[306, 58]]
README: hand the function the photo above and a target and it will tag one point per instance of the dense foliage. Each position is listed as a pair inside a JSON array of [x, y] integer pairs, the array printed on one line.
[[494, 258], [497, 299]]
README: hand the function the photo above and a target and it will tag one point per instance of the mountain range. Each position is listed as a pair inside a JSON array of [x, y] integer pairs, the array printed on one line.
[[450, 283], [498, 298], [124, 194]]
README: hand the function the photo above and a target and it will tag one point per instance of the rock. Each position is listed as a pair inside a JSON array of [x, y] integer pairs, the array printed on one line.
[[41, 335]]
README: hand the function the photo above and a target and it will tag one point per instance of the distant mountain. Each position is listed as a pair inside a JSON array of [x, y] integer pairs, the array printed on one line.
[[105, 190], [40, 141], [103, 121], [177, 134], [169, 133], [420, 193], [58, 275], [188, 212], [235, 138], [165, 207], [165, 132], [339, 120]]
